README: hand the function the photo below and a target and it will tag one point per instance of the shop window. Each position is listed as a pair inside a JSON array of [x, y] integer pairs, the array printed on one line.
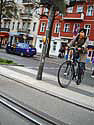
[[54, 46]]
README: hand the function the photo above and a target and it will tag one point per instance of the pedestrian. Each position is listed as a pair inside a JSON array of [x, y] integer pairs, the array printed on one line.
[[62, 51], [92, 75]]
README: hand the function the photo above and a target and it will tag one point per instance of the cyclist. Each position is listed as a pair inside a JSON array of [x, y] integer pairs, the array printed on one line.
[[80, 41]]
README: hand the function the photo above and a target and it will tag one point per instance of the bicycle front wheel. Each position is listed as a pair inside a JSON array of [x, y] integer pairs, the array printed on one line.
[[65, 74]]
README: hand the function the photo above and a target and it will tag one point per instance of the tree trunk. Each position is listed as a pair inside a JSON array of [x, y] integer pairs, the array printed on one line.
[[45, 46]]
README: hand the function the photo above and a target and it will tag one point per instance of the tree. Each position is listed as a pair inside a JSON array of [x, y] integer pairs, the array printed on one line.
[[8, 9], [55, 5]]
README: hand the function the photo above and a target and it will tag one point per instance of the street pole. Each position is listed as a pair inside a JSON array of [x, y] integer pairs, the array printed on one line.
[[45, 46]]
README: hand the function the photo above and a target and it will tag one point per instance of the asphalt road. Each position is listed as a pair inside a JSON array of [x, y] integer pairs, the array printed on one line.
[[31, 62], [59, 109]]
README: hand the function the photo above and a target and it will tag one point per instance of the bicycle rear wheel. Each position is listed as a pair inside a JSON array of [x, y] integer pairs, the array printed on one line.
[[65, 74]]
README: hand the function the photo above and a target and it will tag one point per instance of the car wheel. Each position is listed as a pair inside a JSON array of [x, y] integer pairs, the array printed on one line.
[[7, 51], [32, 55], [22, 54]]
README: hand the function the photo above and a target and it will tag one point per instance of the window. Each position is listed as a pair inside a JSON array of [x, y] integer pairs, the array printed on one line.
[[66, 27], [57, 29], [43, 25], [69, 9], [87, 27], [13, 25], [80, 9], [28, 25], [37, 11], [45, 10], [40, 45], [8, 24], [23, 25], [18, 25], [54, 46], [76, 27], [5, 24], [60, 14], [90, 11], [34, 26]]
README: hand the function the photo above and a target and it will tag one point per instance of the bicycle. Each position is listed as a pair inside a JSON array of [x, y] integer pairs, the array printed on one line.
[[71, 69]]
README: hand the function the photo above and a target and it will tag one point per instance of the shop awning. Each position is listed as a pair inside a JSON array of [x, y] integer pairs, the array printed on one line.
[[4, 34]]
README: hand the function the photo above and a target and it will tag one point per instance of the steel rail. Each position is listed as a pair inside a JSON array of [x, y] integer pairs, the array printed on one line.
[[26, 113]]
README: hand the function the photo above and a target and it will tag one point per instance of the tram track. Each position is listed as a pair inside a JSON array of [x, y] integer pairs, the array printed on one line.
[[26, 113]]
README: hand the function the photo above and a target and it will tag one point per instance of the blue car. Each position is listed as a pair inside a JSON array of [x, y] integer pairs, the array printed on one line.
[[22, 49]]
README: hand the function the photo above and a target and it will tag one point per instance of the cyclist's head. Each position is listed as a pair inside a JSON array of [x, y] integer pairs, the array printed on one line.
[[82, 33]]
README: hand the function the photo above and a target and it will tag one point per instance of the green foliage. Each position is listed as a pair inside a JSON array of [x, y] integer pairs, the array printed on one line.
[[9, 9], [60, 5], [4, 61]]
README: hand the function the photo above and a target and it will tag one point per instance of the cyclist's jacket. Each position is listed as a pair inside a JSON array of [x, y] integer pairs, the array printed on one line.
[[79, 42]]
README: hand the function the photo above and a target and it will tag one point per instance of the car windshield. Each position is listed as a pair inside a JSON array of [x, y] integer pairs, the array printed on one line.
[[22, 45]]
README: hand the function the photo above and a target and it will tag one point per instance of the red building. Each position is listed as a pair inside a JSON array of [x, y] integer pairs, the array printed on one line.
[[81, 16]]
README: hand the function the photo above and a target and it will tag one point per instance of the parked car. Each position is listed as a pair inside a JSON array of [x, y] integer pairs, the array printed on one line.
[[22, 49]]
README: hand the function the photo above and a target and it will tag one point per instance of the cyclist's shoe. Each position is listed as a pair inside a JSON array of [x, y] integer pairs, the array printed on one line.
[[92, 75], [78, 81]]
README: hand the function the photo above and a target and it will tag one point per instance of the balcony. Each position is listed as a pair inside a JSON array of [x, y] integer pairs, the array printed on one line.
[[26, 16], [28, 2], [74, 16]]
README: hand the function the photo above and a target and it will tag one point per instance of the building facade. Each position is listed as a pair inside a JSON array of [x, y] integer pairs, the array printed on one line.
[[27, 21], [79, 16]]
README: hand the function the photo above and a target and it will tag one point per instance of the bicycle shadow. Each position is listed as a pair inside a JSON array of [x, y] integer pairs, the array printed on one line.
[[86, 87]]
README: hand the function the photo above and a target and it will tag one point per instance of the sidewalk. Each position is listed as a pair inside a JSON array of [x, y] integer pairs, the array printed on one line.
[[28, 77]]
